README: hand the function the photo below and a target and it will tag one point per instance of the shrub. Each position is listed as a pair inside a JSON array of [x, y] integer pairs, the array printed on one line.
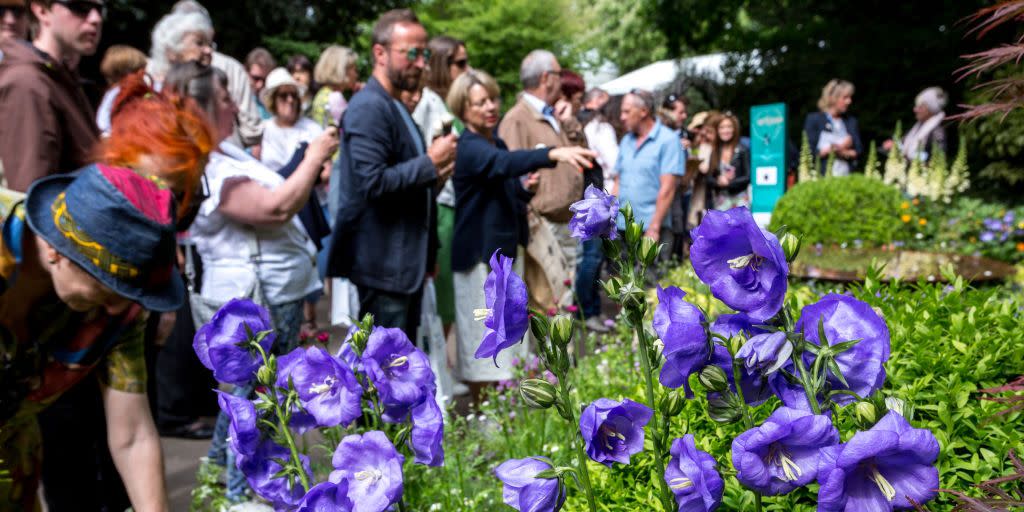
[[840, 210]]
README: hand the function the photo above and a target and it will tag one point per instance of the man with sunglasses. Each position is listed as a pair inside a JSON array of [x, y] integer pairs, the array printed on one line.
[[48, 124], [385, 235], [13, 20]]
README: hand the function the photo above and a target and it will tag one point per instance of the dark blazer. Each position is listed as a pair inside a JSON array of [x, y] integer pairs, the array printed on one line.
[[817, 122], [385, 233], [490, 201]]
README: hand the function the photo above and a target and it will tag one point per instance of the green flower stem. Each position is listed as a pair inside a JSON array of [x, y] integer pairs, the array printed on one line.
[[667, 498], [284, 430], [805, 381], [748, 420], [576, 441]]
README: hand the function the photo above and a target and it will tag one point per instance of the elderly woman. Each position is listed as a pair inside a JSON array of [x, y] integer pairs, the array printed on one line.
[[336, 73], [247, 231], [833, 132], [490, 211], [283, 133], [927, 131], [179, 37]]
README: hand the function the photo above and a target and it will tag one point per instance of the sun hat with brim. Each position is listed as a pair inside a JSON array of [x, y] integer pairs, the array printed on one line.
[[697, 121], [277, 78], [115, 224]]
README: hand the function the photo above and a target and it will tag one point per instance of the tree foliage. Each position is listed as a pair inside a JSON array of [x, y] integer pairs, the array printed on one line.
[[622, 33]]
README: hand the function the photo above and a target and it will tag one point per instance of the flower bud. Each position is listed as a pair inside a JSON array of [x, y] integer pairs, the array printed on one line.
[[612, 287], [561, 330], [611, 249], [265, 375], [537, 393], [866, 412], [539, 326], [672, 403], [713, 378], [649, 250], [627, 212], [724, 410], [633, 236], [790, 246], [632, 297]]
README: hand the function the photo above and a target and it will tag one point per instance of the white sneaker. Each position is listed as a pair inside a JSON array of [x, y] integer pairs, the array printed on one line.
[[595, 324]]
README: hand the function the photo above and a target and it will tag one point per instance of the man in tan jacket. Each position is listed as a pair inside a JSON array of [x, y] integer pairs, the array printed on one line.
[[533, 123]]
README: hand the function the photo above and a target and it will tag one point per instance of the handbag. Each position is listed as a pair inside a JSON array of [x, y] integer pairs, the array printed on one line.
[[203, 308]]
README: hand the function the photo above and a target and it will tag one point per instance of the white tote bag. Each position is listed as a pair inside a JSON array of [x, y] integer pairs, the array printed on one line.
[[344, 303], [430, 336]]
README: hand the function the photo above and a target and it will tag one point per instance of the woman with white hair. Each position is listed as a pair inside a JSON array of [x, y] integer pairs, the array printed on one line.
[[283, 133], [179, 37], [831, 132], [928, 131]]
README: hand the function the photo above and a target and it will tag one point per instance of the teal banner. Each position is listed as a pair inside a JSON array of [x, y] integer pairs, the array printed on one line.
[[767, 158]]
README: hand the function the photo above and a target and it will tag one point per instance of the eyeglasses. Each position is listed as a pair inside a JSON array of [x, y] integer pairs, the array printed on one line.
[[204, 42], [414, 53], [15, 10], [289, 95], [83, 8], [461, 63]]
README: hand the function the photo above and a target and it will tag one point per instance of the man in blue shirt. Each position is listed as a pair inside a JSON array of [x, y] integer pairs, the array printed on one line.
[[648, 168]]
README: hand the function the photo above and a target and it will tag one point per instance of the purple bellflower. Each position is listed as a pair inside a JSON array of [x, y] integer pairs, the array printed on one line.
[[754, 386], [782, 454], [693, 478], [505, 317], [327, 388], [766, 353], [743, 264], [261, 469], [243, 435], [524, 492], [372, 469], [613, 431], [594, 215], [400, 372], [680, 325], [222, 345], [327, 497], [427, 437], [879, 469], [735, 324]]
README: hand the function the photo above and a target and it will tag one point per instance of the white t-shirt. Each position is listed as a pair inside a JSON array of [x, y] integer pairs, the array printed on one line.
[[286, 265], [279, 143]]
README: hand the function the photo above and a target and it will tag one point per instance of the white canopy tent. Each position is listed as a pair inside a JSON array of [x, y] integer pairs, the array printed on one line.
[[658, 75]]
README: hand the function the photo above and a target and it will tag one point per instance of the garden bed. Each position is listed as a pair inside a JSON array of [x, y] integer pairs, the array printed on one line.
[[851, 265]]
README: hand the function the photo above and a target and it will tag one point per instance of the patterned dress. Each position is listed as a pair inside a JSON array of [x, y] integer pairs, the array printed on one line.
[[62, 348]]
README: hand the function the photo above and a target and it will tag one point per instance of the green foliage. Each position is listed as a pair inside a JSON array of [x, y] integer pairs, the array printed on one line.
[[967, 226], [997, 143], [840, 210], [620, 32]]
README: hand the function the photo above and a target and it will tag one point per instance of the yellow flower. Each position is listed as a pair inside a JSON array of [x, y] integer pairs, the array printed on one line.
[[905, 218], [1020, 225], [905, 205], [973, 239], [922, 221]]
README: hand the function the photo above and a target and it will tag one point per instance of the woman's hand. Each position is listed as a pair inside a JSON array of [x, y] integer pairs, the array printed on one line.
[[575, 155], [726, 178], [322, 147]]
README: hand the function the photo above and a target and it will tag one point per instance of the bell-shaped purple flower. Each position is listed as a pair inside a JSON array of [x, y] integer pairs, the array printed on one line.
[[327, 497], [844, 319], [372, 468], [782, 454], [594, 215], [260, 470], [754, 385], [613, 431], [879, 469], [427, 435], [400, 372], [693, 478], [523, 491], [680, 325], [743, 264], [505, 317], [766, 353], [243, 435], [327, 388], [222, 345]]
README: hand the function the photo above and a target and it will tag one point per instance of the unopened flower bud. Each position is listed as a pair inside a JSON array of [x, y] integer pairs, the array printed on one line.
[[627, 212], [539, 326], [672, 403], [633, 236], [537, 393], [790, 246], [612, 287], [265, 375], [631, 296], [866, 412], [649, 250], [724, 410], [713, 378], [561, 330]]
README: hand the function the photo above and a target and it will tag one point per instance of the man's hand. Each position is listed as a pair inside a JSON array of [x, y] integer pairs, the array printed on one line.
[[653, 232], [442, 152], [446, 172]]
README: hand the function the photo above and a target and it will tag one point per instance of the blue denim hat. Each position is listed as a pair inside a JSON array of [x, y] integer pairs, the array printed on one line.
[[115, 224]]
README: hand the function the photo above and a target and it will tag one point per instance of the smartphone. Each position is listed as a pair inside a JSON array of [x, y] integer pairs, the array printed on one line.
[[446, 127]]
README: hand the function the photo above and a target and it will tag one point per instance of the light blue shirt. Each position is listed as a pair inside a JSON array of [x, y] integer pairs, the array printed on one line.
[[640, 171], [539, 105], [410, 125]]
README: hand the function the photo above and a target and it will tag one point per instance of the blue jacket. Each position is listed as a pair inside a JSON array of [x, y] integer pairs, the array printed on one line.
[[490, 202], [385, 234], [817, 122]]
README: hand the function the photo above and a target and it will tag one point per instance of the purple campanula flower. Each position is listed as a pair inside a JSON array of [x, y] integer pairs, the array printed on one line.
[[879, 469], [680, 325], [613, 431], [992, 224], [400, 372], [523, 491], [243, 435], [782, 454], [372, 468], [427, 435], [754, 385], [693, 478], [505, 317], [260, 470], [730, 325], [765, 353], [743, 264], [327, 388], [327, 496], [222, 345], [594, 215]]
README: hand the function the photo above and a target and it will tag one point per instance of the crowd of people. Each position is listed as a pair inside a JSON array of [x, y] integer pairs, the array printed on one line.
[[199, 178]]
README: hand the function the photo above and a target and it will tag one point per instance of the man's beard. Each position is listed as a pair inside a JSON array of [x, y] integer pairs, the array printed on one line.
[[405, 82]]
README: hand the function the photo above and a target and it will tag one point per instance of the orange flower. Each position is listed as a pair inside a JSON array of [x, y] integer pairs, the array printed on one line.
[[922, 221], [916, 201], [905, 218], [1020, 246], [905, 205]]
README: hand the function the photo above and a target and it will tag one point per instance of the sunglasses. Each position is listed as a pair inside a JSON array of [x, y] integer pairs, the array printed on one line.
[[83, 8], [17, 11], [287, 95], [414, 53], [461, 63]]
